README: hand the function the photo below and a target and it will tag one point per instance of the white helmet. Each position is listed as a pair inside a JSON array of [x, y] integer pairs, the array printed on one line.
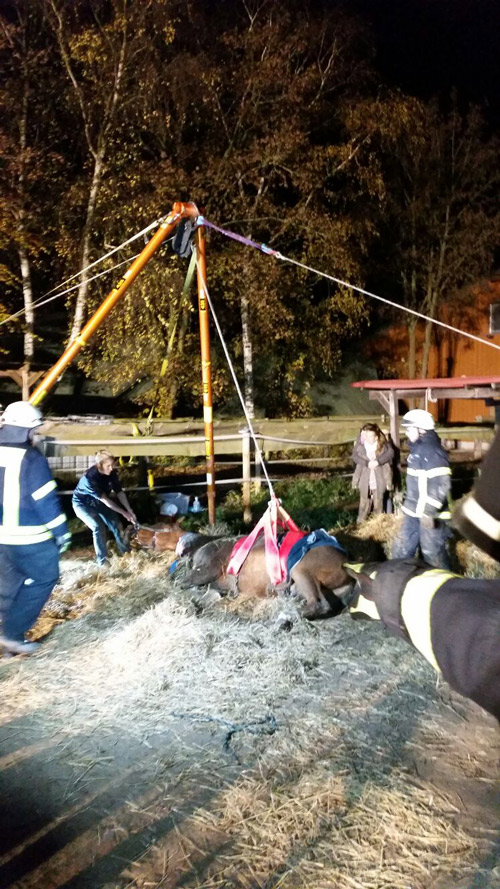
[[419, 418], [22, 413]]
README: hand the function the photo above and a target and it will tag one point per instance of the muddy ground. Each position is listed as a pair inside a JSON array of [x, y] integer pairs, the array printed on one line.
[[164, 738]]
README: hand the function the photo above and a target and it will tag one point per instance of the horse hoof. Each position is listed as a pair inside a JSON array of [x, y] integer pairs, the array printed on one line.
[[285, 622]]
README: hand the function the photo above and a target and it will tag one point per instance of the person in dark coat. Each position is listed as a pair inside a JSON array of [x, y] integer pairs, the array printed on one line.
[[33, 528], [373, 456], [98, 500], [428, 482], [477, 517]]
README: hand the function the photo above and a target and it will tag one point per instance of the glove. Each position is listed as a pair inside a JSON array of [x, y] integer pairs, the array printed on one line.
[[427, 522], [63, 543]]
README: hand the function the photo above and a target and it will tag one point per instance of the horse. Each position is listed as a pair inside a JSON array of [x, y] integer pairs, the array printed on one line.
[[162, 537], [317, 578], [159, 537]]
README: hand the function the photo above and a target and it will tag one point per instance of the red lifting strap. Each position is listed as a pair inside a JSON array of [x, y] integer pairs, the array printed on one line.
[[273, 517]]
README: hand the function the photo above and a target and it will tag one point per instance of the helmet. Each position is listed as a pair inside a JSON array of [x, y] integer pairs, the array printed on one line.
[[22, 413], [419, 418]]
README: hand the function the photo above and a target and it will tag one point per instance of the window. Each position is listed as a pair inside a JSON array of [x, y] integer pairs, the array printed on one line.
[[494, 317]]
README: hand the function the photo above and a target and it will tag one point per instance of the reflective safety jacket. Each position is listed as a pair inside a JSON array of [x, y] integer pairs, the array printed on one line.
[[453, 621], [428, 478], [30, 509], [477, 517]]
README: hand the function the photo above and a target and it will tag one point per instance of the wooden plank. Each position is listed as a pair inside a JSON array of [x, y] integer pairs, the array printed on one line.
[[273, 435]]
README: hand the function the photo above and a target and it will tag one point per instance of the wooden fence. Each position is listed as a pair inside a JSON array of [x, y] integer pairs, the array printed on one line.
[[70, 445]]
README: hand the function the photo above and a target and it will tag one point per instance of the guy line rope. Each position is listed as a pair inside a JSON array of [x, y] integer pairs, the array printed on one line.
[[263, 248], [41, 301], [277, 255]]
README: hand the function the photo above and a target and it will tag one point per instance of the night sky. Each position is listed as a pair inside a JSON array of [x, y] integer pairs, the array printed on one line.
[[430, 47]]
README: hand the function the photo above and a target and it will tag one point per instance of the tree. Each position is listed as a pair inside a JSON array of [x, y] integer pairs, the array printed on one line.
[[443, 215], [254, 121], [28, 160], [100, 44]]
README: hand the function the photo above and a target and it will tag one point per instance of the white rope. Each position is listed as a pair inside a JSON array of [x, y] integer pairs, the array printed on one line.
[[140, 234], [235, 379], [41, 301], [75, 286], [388, 302]]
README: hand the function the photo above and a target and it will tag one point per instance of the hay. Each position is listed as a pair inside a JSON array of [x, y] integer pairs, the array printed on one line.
[[319, 728], [311, 833]]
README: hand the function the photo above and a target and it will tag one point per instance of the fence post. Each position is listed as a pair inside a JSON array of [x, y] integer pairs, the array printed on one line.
[[257, 479], [245, 471]]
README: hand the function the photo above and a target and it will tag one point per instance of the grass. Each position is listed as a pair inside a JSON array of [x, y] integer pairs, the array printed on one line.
[[312, 503]]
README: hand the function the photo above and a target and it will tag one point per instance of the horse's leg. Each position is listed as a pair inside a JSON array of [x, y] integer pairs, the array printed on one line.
[[308, 588]]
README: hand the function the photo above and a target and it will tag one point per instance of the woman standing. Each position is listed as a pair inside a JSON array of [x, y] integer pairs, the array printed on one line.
[[373, 456], [98, 500]]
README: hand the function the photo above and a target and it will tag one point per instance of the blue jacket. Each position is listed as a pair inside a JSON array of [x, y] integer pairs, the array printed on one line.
[[30, 509], [428, 478]]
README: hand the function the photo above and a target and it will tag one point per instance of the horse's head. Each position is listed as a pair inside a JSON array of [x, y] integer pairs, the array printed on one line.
[[160, 537]]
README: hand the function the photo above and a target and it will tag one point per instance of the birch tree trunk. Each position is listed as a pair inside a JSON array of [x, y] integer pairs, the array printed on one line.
[[81, 294], [434, 291], [97, 139], [24, 262], [246, 333], [429, 328]]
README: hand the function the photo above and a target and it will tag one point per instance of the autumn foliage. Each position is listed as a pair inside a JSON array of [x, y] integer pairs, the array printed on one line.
[[272, 118]]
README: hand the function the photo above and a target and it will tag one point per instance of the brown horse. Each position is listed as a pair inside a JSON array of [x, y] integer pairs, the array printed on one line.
[[318, 578], [171, 537], [159, 537]]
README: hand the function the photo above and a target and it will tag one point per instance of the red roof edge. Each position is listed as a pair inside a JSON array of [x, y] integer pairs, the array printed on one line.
[[439, 383]]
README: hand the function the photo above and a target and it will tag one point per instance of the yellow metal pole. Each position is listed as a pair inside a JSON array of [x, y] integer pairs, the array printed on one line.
[[206, 375], [52, 376]]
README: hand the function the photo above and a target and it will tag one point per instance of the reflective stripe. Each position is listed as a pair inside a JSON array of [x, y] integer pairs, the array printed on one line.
[[441, 516], [409, 512], [44, 490], [430, 473], [422, 495], [478, 516], [439, 470], [416, 609], [365, 606], [21, 539], [19, 530], [11, 459], [434, 502], [54, 523]]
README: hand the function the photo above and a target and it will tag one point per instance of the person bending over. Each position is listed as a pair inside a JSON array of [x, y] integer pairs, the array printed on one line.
[[98, 500]]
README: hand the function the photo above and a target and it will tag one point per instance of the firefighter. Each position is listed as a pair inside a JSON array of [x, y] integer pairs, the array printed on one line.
[[477, 517], [425, 506], [33, 528]]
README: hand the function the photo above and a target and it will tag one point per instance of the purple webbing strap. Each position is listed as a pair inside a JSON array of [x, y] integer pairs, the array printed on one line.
[[223, 231]]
